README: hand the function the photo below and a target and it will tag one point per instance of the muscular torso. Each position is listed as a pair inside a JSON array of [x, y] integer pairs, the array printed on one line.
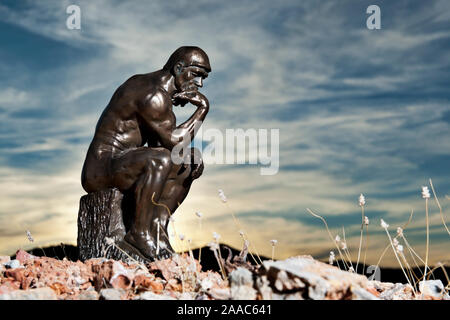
[[122, 127]]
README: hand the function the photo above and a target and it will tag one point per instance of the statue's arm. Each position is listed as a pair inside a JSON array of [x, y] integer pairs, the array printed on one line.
[[159, 117]]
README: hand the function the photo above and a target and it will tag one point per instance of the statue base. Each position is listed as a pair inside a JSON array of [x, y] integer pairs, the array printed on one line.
[[101, 227]]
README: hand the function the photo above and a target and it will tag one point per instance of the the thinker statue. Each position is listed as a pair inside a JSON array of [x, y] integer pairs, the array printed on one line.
[[132, 145]]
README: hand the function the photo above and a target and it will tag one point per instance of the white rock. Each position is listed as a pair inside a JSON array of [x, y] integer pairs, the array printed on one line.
[[148, 295], [13, 264], [31, 294], [434, 288], [241, 277], [111, 294]]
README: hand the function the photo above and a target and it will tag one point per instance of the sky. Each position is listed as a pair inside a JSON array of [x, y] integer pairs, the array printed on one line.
[[359, 111]]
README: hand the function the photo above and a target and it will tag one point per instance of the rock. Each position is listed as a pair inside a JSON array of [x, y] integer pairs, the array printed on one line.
[[316, 279], [31, 294], [23, 256], [241, 281], [121, 277], [18, 274], [9, 286], [242, 293], [263, 286], [187, 296], [4, 259], [112, 294], [181, 267], [398, 292], [359, 293], [13, 264], [241, 277], [89, 295], [220, 294], [148, 295], [206, 284], [432, 288]]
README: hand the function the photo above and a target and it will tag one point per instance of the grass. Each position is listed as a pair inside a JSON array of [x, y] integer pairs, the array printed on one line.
[[398, 249]]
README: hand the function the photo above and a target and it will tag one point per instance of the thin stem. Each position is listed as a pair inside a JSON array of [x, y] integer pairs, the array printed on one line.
[[428, 239], [165, 235], [329, 234], [440, 208], [239, 226], [360, 238], [125, 253], [366, 249], [200, 250], [403, 228], [157, 238], [170, 215], [245, 239], [395, 252], [347, 252]]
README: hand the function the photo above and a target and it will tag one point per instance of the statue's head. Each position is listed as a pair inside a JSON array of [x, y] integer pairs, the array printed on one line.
[[190, 66]]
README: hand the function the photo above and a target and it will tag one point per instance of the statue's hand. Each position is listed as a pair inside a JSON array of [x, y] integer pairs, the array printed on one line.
[[195, 97], [197, 165], [197, 171]]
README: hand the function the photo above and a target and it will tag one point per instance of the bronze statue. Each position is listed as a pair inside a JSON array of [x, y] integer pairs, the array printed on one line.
[[134, 137]]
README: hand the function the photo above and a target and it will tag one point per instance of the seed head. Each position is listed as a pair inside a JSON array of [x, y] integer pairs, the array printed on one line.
[[222, 196], [241, 233], [337, 239], [384, 224], [216, 236], [273, 242], [213, 246], [366, 220], [199, 214], [344, 245], [425, 192], [332, 257], [399, 248], [362, 200], [400, 231], [29, 236], [395, 242]]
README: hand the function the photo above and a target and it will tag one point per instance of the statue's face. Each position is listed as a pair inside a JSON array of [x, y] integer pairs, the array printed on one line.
[[189, 78]]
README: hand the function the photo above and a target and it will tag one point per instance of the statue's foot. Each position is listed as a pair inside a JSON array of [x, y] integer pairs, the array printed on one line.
[[141, 244]]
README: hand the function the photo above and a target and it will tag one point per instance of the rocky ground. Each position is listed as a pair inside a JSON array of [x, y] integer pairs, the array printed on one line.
[[181, 277]]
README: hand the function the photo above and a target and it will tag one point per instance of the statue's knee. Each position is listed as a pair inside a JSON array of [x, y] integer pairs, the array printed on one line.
[[161, 161]]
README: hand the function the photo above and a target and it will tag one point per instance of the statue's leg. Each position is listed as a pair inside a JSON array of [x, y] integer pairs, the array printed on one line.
[[146, 171], [175, 191]]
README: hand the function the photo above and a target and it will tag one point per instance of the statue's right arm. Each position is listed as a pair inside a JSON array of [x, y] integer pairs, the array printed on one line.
[[156, 111]]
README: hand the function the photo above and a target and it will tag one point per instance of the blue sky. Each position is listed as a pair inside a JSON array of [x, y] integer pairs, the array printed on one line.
[[359, 111]]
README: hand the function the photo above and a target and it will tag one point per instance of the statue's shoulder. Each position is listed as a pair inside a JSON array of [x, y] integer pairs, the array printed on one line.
[[157, 102], [158, 96]]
